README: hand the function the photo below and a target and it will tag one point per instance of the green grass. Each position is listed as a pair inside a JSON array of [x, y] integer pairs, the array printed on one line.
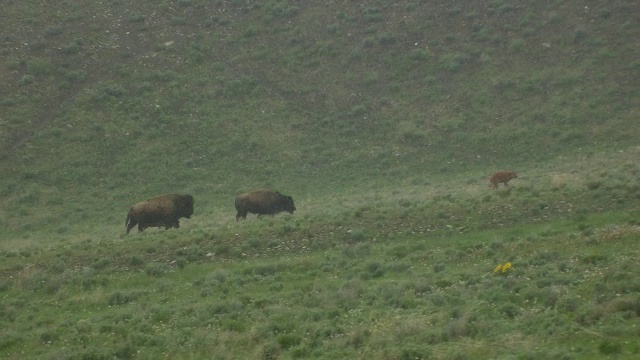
[[433, 294], [382, 121], [389, 275]]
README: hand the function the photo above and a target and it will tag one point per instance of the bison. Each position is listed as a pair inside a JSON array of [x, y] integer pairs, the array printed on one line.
[[164, 210], [263, 202], [501, 177]]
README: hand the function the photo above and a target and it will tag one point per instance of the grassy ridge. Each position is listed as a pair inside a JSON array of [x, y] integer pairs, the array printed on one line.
[[386, 275]]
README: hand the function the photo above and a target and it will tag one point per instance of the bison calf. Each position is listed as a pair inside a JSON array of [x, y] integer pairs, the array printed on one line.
[[163, 210], [263, 202], [501, 177]]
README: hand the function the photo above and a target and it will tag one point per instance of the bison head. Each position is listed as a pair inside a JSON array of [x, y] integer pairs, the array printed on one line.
[[288, 204], [185, 206]]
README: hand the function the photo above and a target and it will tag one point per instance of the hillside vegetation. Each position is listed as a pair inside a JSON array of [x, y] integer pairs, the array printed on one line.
[[110, 103], [382, 119]]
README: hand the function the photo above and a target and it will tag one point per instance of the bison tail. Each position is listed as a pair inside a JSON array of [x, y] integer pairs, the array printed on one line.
[[128, 223]]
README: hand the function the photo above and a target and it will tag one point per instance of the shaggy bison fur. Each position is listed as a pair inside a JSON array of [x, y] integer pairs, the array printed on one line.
[[263, 202], [501, 177], [163, 210]]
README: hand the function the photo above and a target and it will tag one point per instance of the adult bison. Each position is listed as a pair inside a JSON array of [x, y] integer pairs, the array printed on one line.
[[164, 210], [263, 202]]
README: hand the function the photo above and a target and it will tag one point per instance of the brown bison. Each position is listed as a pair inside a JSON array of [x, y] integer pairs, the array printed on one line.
[[163, 210], [501, 177], [263, 202]]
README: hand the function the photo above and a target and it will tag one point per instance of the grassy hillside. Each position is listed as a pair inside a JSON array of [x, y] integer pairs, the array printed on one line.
[[382, 119], [384, 277], [105, 105]]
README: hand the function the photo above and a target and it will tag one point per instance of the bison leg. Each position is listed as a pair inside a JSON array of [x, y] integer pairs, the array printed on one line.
[[241, 214], [171, 224], [130, 226]]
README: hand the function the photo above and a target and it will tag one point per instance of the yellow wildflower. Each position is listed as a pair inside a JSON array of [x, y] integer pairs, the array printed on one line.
[[498, 268], [506, 267]]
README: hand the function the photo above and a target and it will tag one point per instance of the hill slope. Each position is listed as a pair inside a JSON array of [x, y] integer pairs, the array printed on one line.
[[107, 104]]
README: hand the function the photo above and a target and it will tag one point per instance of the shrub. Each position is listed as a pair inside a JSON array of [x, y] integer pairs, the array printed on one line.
[[500, 6], [125, 351], [386, 38], [107, 91], [194, 252], [136, 260], [282, 9], [73, 47], [604, 13], [593, 259], [372, 14], [101, 263], [234, 325], [517, 45], [39, 67], [358, 250], [625, 304], [137, 18], [594, 185], [420, 54], [287, 341], [48, 337], [181, 263], [26, 79], [178, 21], [607, 347], [156, 269], [458, 327], [53, 285], [58, 267], [510, 310], [414, 352], [368, 42], [580, 34], [375, 269], [356, 235], [569, 304], [53, 31], [270, 351], [121, 298]]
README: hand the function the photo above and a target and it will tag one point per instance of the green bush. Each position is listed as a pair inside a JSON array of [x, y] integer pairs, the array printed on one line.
[[287, 341], [121, 298], [156, 269], [356, 235], [607, 347]]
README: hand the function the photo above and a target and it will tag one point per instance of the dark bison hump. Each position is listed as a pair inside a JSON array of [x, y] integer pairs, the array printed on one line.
[[184, 205]]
